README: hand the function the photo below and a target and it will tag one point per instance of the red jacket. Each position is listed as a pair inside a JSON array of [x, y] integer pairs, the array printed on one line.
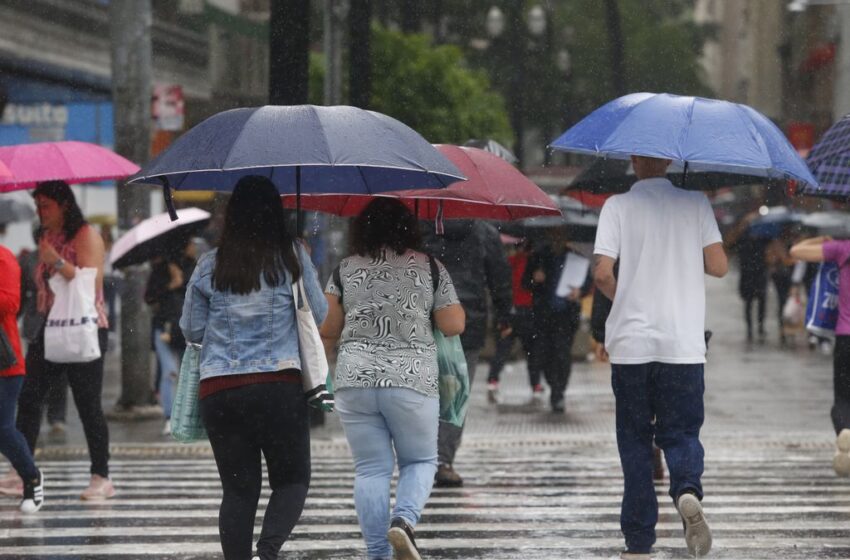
[[10, 301]]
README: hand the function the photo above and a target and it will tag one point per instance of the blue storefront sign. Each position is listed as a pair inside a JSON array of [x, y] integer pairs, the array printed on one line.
[[40, 111]]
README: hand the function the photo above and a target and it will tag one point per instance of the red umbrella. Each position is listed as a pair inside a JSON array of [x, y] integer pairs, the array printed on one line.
[[495, 190], [72, 162]]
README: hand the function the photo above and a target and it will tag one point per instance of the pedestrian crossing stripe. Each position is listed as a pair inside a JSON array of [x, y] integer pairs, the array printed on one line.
[[552, 504]]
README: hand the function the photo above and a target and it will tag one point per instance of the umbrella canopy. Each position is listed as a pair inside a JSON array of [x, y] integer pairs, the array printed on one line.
[[577, 222], [615, 176], [15, 211], [72, 162], [772, 221], [699, 134], [302, 149], [494, 148], [157, 235], [495, 190], [833, 223], [829, 161]]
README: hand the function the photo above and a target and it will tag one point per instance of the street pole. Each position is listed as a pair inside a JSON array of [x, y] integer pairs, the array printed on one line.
[[616, 48], [289, 52], [132, 85], [841, 93], [334, 15], [360, 56]]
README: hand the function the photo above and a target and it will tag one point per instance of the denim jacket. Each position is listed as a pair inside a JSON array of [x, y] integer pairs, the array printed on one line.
[[247, 333]]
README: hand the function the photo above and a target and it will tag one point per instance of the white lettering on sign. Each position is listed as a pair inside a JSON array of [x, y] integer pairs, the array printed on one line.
[[38, 114]]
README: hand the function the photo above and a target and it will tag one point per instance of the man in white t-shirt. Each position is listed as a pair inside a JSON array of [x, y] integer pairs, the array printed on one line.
[[665, 239]]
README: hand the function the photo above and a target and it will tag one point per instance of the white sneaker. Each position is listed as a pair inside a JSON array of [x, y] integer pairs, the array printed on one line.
[[493, 393], [33, 495], [697, 533], [841, 461], [166, 429]]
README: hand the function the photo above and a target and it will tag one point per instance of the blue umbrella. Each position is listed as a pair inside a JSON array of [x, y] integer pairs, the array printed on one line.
[[772, 221], [302, 149], [699, 134], [829, 161]]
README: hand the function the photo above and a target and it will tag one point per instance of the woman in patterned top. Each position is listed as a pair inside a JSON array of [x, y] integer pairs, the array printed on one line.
[[382, 304]]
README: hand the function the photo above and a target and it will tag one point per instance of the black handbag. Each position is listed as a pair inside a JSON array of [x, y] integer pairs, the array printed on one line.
[[7, 353]]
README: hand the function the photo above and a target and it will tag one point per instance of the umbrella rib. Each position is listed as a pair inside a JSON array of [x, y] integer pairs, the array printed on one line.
[[324, 135]]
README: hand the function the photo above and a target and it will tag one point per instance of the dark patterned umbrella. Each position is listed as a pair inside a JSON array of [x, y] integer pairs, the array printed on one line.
[[829, 162]]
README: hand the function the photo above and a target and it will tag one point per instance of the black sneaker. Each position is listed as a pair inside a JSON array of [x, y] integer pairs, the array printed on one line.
[[33, 494], [402, 539]]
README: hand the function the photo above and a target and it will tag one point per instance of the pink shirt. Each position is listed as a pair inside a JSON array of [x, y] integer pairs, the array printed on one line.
[[839, 253], [68, 251]]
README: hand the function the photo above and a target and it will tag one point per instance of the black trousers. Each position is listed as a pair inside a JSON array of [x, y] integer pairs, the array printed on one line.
[[522, 324], [86, 382], [841, 381], [553, 345], [269, 419]]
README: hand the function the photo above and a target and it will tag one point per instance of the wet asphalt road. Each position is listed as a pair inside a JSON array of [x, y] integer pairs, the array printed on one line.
[[539, 486]]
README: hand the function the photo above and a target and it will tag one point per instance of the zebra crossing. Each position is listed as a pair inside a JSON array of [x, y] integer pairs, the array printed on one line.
[[528, 500]]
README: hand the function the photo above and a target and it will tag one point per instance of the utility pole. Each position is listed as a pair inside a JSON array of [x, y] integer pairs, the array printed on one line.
[[616, 48], [841, 92], [360, 53], [132, 86], [289, 52], [335, 12]]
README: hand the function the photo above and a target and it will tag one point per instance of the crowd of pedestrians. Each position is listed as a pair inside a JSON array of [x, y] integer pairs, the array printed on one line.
[[377, 315]]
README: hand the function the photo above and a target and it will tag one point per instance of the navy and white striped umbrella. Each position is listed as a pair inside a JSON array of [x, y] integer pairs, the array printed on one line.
[[829, 162]]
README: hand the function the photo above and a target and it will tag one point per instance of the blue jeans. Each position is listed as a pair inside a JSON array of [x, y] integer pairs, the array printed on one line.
[[170, 368], [375, 422], [13, 445], [672, 395]]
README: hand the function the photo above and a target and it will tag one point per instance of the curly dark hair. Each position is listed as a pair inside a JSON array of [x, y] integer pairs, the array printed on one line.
[[385, 222], [61, 192]]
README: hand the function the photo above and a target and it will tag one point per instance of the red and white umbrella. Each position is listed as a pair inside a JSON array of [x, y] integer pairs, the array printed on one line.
[[72, 162]]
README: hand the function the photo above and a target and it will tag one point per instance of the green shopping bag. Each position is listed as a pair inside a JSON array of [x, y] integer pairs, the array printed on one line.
[[186, 424], [453, 378]]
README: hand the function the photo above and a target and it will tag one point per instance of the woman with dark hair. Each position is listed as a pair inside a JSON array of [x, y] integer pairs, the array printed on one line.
[[383, 303], [239, 307], [67, 242]]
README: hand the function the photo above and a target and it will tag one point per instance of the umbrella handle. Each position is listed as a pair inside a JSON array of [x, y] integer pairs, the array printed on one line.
[[299, 226], [685, 176], [169, 201]]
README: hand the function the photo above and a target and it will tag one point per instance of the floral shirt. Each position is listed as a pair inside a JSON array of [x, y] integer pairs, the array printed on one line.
[[387, 339]]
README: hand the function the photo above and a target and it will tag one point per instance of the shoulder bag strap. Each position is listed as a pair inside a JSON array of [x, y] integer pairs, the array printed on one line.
[[338, 282]]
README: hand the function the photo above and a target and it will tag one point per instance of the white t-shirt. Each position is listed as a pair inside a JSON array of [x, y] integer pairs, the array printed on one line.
[[658, 233]]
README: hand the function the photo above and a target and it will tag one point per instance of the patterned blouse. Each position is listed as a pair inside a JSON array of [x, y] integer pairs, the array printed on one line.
[[387, 339]]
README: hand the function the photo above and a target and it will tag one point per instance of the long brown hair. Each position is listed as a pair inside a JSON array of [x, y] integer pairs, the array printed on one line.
[[255, 240]]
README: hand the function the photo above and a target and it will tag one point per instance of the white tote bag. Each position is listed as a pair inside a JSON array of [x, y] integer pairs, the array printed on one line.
[[314, 363], [70, 333]]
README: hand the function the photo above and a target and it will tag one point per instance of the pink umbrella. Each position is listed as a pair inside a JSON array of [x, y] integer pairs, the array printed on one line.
[[495, 190], [5, 174], [72, 162]]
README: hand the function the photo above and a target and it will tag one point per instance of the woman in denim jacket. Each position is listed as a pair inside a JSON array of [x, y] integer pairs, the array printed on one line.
[[239, 306]]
